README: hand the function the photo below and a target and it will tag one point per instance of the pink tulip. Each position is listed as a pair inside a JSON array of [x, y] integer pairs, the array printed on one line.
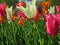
[[58, 18], [2, 10], [58, 8], [18, 4], [52, 25], [5, 5], [22, 15]]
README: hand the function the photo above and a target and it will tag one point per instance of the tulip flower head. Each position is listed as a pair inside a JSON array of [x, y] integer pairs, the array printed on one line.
[[5, 5], [21, 22], [52, 9], [46, 5], [58, 8], [44, 12], [9, 14], [58, 18], [22, 3], [1, 19], [2, 10], [22, 15], [30, 10], [38, 15], [2, 13], [14, 18], [52, 25]]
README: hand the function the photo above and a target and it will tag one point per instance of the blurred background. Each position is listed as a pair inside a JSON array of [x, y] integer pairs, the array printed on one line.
[[13, 2]]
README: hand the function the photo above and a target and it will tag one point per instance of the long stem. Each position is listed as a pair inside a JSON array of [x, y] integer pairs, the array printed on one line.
[[54, 41], [6, 33], [2, 33], [14, 29]]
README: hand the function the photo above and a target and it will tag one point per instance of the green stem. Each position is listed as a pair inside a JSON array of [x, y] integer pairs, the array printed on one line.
[[6, 33], [54, 41], [14, 33], [2, 33]]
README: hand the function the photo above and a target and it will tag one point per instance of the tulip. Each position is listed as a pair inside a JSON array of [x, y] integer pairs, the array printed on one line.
[[5, 5], [1, 19], [30, 10], [52, 25], [2, 13], [58, 8], [22, 15], [22, 3], [21, 22], [46, 5], [9, 14], [52, 9], [44, 12], [58, 18], [14, 17], [38, 15], [2, 10]]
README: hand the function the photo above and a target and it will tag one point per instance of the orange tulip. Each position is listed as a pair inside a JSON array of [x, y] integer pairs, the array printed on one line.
[[14, 17], [46, 5], [21, 22], [1, 20], [44, 11], [22, 3], [13, 13]]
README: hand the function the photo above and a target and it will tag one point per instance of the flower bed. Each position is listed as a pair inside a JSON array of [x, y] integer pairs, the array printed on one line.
[[30, 24]]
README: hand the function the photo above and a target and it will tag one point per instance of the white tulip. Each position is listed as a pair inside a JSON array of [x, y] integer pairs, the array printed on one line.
[[9, 14], [52, 9], [30, 10]]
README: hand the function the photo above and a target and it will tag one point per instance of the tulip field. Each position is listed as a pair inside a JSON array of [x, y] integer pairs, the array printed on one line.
[[30, 23]]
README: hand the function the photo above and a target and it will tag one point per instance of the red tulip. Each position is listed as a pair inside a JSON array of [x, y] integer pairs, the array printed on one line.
[[22, 3], [2, 10], [2, 13], [37, 17], [52, 25]]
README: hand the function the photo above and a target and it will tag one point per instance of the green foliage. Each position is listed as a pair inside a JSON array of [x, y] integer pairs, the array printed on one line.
[[31, 33], [10, 2]]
